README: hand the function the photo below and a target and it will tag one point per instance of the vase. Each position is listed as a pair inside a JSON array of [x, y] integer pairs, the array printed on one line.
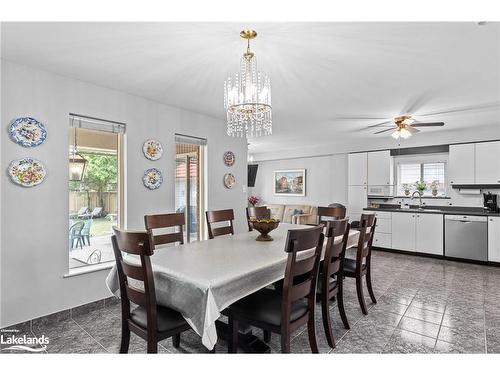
[[434, 193], [407, 192]]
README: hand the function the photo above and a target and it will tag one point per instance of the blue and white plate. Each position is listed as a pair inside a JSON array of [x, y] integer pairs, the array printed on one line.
[[27, 132], [152, 179]]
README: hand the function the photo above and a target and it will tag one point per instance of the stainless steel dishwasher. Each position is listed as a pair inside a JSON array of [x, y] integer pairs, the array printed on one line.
[[466, 237]]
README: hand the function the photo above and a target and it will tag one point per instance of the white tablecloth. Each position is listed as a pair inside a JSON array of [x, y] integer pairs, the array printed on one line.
[[201, 279]]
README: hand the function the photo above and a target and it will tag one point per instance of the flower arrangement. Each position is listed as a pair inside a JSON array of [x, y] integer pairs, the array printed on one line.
[[434, 187], [421, 186], [253, 200], [406, 188]]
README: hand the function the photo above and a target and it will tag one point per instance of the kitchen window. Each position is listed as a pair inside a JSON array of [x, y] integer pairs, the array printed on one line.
[[431, 172]]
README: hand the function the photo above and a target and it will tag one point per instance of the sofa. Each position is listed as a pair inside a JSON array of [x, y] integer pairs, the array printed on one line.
[[285, 213]]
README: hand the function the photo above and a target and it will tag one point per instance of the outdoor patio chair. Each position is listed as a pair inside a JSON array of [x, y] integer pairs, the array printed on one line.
[[96, 212], [86, 231], [82, 212], [75, 234]]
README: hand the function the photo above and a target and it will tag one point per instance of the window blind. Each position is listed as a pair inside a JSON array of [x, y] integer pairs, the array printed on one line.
[[93, 123]]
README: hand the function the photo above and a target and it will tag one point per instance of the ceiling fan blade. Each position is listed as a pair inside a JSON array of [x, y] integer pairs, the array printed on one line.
[[380, 124], [385, 130], [415, 103], [415, 124], [479, 107], [412, 130]]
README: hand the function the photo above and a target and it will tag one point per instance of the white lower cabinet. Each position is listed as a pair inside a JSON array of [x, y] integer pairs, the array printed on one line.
[[382, 240], [421, 233], [429, 234], [494, 238], [403, 231]]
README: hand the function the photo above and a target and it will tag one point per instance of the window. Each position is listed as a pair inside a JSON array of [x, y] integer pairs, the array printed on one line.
[[94, 190], [431, 173]]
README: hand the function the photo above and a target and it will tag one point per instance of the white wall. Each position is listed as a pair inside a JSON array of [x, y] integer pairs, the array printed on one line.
[[326, 180], [34, 227]]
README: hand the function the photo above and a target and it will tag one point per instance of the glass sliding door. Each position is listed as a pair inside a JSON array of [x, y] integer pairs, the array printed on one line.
[[188, 188]]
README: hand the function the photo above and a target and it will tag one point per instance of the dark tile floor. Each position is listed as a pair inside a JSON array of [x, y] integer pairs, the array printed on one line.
[[424, 306]]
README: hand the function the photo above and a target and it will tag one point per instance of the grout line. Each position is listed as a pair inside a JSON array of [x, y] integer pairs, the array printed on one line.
[[92, 337]]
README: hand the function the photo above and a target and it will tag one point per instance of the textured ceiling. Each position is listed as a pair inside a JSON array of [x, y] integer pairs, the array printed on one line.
[[321, 73]]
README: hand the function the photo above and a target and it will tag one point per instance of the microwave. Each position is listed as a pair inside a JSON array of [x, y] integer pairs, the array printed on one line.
[[381, 191]]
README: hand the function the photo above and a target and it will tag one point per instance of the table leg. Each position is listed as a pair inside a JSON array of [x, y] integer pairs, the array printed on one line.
[[246, 339]]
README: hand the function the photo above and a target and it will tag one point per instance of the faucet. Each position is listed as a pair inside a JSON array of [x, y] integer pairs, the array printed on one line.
[[419, 198]]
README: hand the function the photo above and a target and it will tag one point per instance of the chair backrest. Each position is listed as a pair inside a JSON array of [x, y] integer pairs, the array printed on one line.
[[164, 221], [216, 217], [261, 212], [334, 252], [366, 229], [139, 244], [304, 247], [76, 228], [82, 210], [87, 225], [97, 211], [326, 214]]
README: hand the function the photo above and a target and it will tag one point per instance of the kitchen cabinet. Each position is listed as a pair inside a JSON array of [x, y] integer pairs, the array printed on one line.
[[358, 169], [461, 164], [429, 234], [421, 233], [487, 163], [382, 240], [356, 201], [380, 168], [403, 231], [494, 238]]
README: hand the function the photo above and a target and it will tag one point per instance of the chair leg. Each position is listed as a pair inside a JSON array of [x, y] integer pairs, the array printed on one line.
[[369, 286], [232, 339], [359, 290], [176, 340], [311, 329], [267, 336], [327, 324], [125, 339], [152, 345], [340, 304], [285, 342]]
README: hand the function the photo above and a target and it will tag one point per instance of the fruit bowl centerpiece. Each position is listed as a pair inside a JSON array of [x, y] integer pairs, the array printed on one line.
[[264, 226]]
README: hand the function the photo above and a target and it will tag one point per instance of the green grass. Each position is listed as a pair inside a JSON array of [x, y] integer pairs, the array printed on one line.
[[101, 226]]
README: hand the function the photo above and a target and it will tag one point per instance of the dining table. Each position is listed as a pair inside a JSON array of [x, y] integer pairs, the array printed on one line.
[[201, 279]]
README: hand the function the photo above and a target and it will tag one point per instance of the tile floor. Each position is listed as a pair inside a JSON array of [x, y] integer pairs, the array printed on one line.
[[424, 305]]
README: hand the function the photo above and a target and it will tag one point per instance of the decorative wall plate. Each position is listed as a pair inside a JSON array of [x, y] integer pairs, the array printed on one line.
[[229, 158], [152, 149], [152, 179], [27, 132], [229, 180], [27, 172]]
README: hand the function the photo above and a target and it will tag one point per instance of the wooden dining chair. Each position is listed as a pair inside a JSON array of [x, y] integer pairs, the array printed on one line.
[[361, 266], [285, 311], [326, 214], [330, 283], [166, 221], [217, 217], [261, 212], [149, 321]]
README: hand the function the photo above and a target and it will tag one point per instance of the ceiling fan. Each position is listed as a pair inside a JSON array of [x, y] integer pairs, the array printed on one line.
[[404, 126]]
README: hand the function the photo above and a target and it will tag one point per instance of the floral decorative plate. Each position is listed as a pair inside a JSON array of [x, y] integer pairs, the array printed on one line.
[[27, 172], [153, 150], [152, 179], [27, 132], [229, 180], [229, 158]]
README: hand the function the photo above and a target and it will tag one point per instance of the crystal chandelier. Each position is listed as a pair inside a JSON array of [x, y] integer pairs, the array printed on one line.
[[247, 97]]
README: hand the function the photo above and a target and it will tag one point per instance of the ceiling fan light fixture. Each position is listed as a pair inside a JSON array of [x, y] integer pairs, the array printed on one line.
[[404, 133]]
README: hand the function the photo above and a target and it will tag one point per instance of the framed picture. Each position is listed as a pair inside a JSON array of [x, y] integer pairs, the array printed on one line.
[[290, 182]]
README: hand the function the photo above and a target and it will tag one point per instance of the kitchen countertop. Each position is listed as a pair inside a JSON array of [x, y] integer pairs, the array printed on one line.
[[445, 210]]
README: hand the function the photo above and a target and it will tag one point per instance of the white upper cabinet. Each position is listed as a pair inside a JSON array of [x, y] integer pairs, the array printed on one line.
[[487, 163], [461, 164], [429, 233], [380, 168], [358, 169]]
